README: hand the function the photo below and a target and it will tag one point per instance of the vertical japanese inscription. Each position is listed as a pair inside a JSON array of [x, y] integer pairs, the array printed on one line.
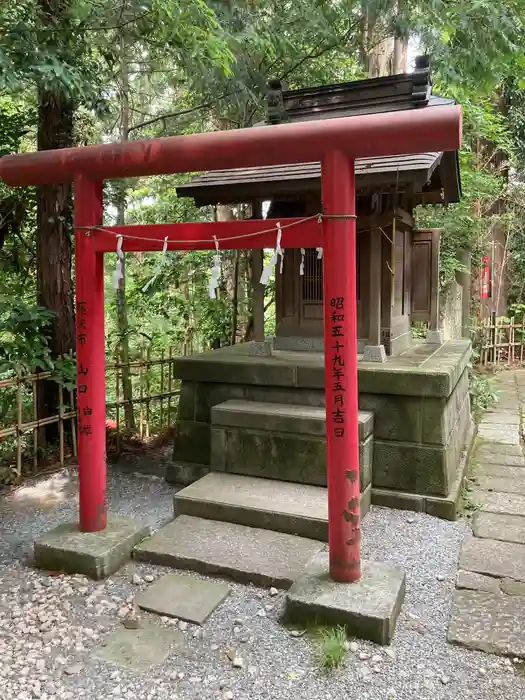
[[83, 370], [337, 317]]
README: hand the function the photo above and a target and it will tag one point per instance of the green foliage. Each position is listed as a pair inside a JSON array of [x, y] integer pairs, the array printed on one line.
[[76, 49], [515, 254], [23, 339], [487, 199], [475, 44], [515, 101], [482, 391], [24, 346]]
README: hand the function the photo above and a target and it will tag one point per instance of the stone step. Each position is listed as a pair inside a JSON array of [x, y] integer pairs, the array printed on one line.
[[269, 504], [245, 554], [281, 417], [280, 441]]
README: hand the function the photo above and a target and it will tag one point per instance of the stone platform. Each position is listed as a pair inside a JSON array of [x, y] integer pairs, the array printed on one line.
[[421, 419]]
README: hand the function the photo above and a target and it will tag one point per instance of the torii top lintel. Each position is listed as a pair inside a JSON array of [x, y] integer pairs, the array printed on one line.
[[364, 136]]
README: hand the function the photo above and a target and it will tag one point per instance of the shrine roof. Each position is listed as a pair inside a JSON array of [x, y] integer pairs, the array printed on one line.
[[427, 175]]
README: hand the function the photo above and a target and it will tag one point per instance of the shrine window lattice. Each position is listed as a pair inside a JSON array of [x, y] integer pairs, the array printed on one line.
[[312, 280]]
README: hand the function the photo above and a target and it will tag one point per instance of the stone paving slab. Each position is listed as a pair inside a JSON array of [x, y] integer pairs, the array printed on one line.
[[368, 608], [510, 528], [493, 456], [502, 484], [477, 582], [488, 622], [246, 554], [502, 470], [495, 452], [511, 587], [498, 434], [502, 460], [184, 597], [140, 649], [502, 417], [493, 558], [503, 503], [506, 404], [507, 401]]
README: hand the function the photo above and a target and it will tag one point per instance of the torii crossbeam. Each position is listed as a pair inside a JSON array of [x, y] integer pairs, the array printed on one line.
[[336, 143]]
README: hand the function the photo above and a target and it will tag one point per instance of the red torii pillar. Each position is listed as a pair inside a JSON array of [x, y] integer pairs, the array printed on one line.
[[336, 143]]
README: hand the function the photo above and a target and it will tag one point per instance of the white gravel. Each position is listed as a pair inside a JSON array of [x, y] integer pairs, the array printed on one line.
[[51, 627]]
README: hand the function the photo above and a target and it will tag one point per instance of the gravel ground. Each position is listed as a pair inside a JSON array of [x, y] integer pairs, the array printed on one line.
[[52, 628]]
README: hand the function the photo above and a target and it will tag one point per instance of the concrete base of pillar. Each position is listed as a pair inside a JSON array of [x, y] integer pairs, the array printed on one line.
[[374, 353], [434, 337], [368, 609], [94, 554]]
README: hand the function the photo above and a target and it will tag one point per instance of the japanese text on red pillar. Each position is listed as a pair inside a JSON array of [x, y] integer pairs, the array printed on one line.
[[337, 317], [82, 371]]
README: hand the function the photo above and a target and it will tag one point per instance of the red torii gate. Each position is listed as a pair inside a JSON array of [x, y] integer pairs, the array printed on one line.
[[336, 143]]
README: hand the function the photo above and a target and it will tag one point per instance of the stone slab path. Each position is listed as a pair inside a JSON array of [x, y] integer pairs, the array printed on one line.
[[488, 611]]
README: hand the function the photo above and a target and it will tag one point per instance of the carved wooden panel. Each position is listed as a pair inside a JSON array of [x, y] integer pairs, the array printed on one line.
[[425, 273], [399, 273]]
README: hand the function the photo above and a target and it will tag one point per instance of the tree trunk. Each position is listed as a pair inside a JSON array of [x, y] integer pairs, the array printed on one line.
[[122, 305], [54, 210], [383, 54]]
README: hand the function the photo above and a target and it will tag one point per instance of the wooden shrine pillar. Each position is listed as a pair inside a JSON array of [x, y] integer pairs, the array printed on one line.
[[374, 351], [258, 289], [434, 334], [340, 360]]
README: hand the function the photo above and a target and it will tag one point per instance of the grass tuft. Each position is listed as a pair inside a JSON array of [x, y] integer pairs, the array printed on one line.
[[332, 647]]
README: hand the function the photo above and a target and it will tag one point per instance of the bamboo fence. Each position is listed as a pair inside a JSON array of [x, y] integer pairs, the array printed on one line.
[[499, 341], [155, 399]]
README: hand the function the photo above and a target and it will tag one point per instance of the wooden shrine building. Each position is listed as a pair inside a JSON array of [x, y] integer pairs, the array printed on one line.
[[257, 409]]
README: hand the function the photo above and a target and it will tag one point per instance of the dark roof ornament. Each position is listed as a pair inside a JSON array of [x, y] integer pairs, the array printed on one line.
[[275, 112], [421, 81]]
